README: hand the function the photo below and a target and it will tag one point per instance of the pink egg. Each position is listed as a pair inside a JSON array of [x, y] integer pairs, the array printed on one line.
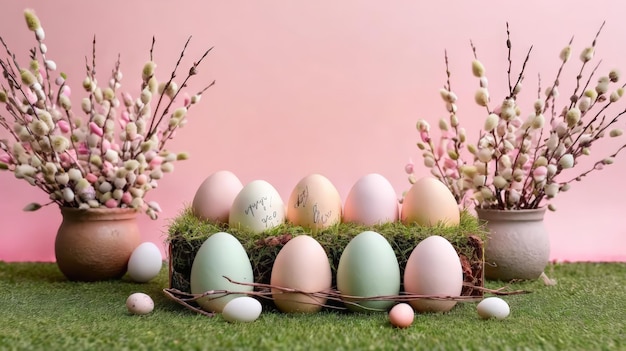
[[401, 315], [372, 200], [215, 196]]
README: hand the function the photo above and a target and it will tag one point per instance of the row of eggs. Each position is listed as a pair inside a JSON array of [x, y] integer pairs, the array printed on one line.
[[315, 203], [368, 267]]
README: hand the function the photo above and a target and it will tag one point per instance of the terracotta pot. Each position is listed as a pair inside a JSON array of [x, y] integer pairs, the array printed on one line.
[[95, 244], [518, 245]]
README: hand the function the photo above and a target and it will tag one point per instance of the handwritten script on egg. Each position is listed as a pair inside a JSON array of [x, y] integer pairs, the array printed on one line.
[[262, 205]]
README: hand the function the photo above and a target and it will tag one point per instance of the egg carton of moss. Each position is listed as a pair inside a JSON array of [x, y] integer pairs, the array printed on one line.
[[186, 233]]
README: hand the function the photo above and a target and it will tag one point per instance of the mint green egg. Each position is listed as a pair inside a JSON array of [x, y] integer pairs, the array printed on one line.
[[221, 255], [368, 267]]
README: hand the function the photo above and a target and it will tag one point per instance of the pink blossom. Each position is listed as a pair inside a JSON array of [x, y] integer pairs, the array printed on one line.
[[127, 198], [424, 135], [141, 179], [83, 149], [93, 127], [30, 96], [110, 203], [106, 145], [125, 116], [540, 173], [64, 126], [5, 158], [409, 168], [449, 163], [156, 161], [91, 178], [66, 91], [186, 99]]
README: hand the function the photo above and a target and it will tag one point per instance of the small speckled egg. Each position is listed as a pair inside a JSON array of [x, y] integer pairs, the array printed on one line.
[[314, 203], [433, 268], [145, 262], [372, 200], [493, 307], [242, 309], [301, 264], [215, 196], [401, 315], [257, 208], [428, 203], [139, 303]]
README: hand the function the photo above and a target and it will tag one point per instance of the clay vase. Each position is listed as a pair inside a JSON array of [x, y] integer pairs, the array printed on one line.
[[518, 245], [95, 244]]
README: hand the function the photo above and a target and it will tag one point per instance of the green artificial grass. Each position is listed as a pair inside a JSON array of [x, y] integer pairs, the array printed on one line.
[[41, 310]]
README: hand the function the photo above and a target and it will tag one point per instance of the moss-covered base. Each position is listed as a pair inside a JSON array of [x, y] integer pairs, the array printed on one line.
[[187, 233]]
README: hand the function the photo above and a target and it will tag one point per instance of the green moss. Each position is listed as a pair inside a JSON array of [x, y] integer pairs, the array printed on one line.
[[187, 233]]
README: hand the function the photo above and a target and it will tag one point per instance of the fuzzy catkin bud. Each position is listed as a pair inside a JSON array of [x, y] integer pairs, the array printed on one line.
[[32, 21], [482, 97], [478, 69], [565, 53], [587, 54], [148, 70]]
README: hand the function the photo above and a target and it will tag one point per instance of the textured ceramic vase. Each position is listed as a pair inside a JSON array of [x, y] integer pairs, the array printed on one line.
[[95, 244], [518, 246]]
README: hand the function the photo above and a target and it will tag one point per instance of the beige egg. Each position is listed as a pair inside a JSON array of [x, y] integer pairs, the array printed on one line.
[[372, 200], [314, 203], [428, 203], [257, 208], [433, 268], [301, 264], [215, 196]]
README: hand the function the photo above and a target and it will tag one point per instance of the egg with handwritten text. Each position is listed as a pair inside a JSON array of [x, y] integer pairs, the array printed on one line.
[[215, 196], [257, 208], [315, 203], [428, 203], [372, 200]]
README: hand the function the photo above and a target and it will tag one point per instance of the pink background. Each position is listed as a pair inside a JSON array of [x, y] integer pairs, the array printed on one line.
[[330, 87]]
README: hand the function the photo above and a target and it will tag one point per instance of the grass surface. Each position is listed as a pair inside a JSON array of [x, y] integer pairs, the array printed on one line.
[[40, 310]]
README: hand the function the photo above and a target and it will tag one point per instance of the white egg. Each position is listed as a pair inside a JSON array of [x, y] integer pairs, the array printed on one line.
[[493, 307], [242, 309], [372, 200], [139, 303], [257, 207], [145, 262]]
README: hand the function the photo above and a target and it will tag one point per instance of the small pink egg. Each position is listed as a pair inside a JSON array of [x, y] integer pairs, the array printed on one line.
[[401, 315]]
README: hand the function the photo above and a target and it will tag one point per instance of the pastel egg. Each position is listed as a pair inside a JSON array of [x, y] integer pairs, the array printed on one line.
[[368, 267], [401, 315], [372, 200], [257, 208], [433, 268], [242, 309], [301, 264], [221, 255], [215, 196], [493, 307], [139, 303], [314, 203], [428, 203], [145, 262]]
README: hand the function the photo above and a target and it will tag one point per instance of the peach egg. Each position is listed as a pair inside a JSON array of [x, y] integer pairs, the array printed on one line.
[[429, 202], [401, 315]]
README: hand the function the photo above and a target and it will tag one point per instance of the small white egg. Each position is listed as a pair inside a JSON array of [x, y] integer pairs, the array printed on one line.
[[139, 303], [145, 262], [493, 307], [242, 309]]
